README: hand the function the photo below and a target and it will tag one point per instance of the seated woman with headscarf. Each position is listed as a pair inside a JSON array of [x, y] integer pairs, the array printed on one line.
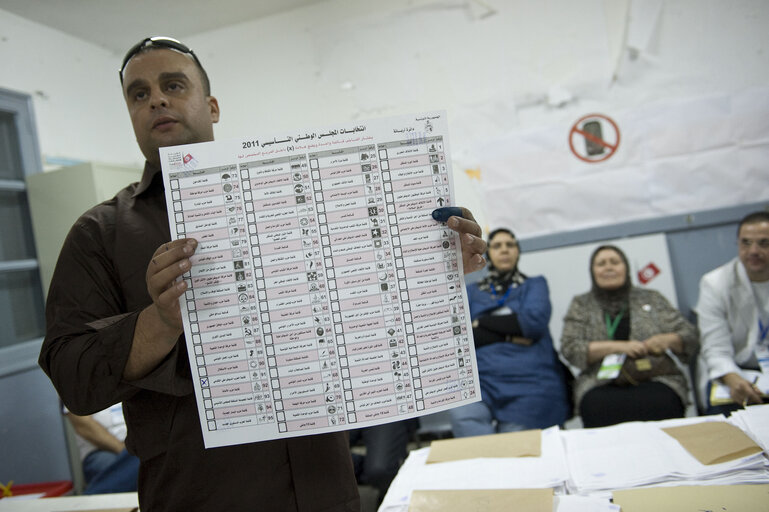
[[522, 380], [617, 331]]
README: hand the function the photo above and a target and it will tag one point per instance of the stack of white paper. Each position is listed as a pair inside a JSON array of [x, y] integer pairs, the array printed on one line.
[[754, 421], [637, 454], [548, 470]]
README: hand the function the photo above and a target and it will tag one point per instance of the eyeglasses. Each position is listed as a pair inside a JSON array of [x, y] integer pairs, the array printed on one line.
[[157, 42]]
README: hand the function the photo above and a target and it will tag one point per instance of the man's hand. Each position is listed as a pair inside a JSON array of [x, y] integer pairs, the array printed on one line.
[[470, 235], [169, 262], [160, 324], [741, 391]]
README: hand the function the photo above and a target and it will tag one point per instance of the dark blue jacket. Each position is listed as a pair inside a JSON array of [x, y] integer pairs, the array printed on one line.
[[522, 384]]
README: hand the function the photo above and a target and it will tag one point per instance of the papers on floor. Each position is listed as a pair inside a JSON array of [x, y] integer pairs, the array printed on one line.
[[641, 453]]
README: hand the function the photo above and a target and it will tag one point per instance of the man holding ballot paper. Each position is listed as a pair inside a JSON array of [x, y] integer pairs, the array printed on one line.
[[115, 332]]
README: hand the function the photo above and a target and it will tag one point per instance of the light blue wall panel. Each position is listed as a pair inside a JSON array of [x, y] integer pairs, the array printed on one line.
[[32, 441]]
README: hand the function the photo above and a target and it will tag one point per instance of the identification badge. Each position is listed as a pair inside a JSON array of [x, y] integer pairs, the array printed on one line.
[[610, 366]]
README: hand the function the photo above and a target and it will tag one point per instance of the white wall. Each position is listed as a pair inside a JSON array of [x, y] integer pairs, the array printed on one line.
[[349, 60], [75, 90], [520, 66]]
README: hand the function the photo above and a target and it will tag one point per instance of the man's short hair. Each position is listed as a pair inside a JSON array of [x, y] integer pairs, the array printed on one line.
[[168, 43], [753, 218]]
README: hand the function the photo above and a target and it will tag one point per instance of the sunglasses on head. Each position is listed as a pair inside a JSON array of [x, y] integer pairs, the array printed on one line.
[[157, 42]]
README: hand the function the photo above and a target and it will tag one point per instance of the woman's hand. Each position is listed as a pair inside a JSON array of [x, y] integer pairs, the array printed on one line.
[[634, 349], [597, 350], [659, 343]]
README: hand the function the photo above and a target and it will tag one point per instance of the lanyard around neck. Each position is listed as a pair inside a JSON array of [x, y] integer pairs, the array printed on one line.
[[763, 330], [612, 323], [501, 302]]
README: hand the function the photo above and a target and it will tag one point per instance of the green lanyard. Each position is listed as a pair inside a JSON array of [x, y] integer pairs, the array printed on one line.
[[612, 324]]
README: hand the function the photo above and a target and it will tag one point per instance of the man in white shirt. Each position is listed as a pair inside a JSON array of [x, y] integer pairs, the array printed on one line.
[[107, 466], [733, 317]]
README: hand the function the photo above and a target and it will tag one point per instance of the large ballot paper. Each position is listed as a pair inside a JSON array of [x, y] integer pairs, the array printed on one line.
[[322, 295]]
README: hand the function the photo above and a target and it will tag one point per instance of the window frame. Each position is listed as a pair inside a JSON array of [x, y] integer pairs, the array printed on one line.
[[21, 356]]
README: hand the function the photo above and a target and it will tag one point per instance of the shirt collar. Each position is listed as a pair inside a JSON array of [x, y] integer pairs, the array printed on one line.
[[148, 176]]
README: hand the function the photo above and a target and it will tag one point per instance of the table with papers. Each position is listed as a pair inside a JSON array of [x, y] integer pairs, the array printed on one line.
[[585, 469]]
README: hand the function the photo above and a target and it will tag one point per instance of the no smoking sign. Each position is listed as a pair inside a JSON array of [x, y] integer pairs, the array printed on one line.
[[594, 138]]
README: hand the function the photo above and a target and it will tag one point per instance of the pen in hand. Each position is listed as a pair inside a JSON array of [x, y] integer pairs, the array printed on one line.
[[753, 384]]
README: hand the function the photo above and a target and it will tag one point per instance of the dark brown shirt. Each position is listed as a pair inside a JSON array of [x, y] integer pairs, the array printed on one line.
[[96, 294]]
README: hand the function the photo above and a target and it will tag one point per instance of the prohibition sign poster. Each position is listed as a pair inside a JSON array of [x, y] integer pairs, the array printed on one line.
[[594, 138]]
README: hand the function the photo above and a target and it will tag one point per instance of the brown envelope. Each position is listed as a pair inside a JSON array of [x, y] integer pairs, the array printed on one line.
[[527, 443], [484, 500], [713, 442], [694, 498]]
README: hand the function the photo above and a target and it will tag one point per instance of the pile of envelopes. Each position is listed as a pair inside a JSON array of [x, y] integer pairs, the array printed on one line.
[[628, 465]]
